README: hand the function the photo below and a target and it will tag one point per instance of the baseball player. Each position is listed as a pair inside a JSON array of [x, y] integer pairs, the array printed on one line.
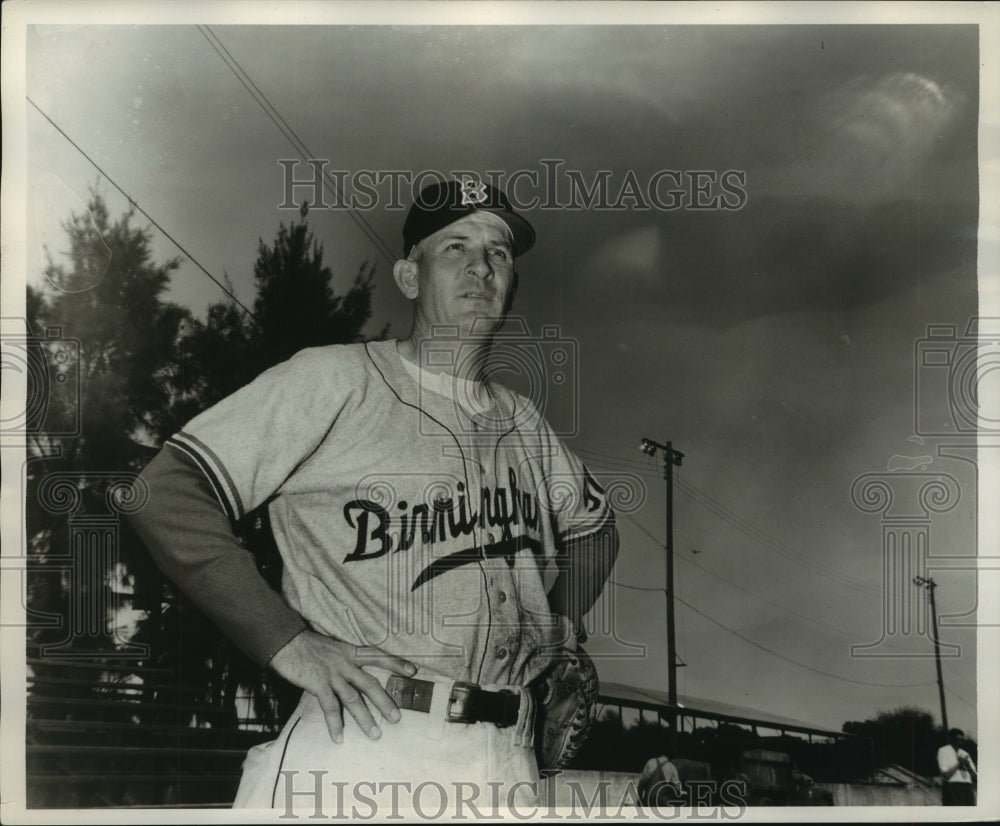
[[439, 543]]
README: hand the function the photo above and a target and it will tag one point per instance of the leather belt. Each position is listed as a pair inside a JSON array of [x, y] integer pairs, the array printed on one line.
[[467, 702]]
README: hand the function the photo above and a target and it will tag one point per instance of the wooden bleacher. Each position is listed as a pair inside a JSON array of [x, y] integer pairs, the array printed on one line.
[[102, 733]]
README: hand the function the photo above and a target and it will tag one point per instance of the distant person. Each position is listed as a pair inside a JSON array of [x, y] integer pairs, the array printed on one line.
[[958, 772], [659, 783]]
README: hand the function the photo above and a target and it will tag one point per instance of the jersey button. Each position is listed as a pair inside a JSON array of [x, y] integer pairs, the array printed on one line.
[[501, 653], [490, 538], [475, 425], [502, 596]]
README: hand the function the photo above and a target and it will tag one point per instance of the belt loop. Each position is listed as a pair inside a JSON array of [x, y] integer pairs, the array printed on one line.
[[525, 736], [529, 718]]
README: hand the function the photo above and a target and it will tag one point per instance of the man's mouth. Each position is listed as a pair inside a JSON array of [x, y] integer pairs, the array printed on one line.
[[476, 296]]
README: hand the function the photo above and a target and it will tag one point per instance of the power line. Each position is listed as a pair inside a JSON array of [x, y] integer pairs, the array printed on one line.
[[755, 644], [711, 504], [736, 585], [754, 533], [715, 507], [289, 133], [135, 204], [247, 83], [649, 469], [608, 465], [960, 698], [811, 621], [796, 662], [635, 587]]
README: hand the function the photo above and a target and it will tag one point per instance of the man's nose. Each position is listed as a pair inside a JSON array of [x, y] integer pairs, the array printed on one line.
[[479, 265]]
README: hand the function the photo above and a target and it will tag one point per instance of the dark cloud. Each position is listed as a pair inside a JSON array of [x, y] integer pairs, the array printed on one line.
[[775, 256]]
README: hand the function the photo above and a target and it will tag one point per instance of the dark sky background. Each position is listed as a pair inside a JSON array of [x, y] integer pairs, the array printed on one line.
[[774, 344]]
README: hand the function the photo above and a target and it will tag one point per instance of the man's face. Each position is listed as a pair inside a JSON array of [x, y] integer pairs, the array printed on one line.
[[465, 273]]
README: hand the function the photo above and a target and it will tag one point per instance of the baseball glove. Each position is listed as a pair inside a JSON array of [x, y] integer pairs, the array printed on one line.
[[566, 694]]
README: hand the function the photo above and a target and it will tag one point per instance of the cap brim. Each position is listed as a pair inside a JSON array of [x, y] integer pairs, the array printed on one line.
[[521, 232]]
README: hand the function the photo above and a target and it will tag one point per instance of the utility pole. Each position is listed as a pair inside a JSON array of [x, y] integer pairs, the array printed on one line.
[[930, 585], [671, 457]]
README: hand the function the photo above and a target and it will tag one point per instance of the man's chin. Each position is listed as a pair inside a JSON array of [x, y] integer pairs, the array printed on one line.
[[479, 326]]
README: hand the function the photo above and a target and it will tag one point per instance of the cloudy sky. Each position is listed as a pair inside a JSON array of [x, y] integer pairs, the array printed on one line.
[[774, 343]]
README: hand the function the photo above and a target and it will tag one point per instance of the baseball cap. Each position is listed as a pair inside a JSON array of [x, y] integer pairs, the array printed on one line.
[[443, 203]]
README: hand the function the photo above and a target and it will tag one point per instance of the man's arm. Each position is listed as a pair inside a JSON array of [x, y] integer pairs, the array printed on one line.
[[585, 563], [965, 760], [191, 539]]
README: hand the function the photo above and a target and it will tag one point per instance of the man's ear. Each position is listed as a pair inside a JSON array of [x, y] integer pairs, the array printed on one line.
[[405, 272]]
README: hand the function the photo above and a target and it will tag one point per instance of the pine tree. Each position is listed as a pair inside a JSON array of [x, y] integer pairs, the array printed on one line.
[[296, 306]]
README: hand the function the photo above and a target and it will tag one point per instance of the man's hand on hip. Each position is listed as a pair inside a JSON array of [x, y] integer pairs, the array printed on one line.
[[331, 670]]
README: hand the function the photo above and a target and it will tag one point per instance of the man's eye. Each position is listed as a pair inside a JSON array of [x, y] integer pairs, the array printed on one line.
[[499, 252], [457, 245]]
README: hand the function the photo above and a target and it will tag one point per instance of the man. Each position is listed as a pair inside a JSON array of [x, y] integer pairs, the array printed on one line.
[[659, 783], [958, 772], [439, 543]]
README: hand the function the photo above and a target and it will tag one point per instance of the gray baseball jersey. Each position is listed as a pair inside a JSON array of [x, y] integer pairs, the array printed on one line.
[[403, 521]]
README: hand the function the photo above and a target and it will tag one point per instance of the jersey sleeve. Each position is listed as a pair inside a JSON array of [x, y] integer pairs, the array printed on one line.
[[192, 541], [248, 444], [587, 537], [581, 504], [948, 763]]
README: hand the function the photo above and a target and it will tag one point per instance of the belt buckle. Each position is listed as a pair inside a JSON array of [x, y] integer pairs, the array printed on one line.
[[409, 693], [460, 702]]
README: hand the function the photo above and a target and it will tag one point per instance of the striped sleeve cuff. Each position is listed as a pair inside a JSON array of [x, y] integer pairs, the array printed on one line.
[[576, 532], [216, 473]]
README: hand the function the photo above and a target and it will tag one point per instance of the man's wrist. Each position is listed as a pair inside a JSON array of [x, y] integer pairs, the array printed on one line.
[[569, 636]]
